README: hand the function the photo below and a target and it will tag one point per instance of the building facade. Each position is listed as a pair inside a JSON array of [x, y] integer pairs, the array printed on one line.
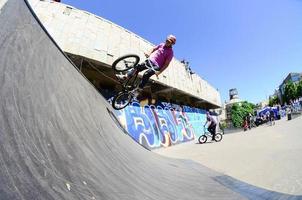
[[94, 42], [234, 98], [174, 106], [293, 77]]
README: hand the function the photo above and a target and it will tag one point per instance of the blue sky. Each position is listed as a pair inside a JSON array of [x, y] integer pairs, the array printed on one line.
[[250, 45]]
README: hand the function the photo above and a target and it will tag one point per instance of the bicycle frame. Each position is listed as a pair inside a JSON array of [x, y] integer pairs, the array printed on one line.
[[206, 132], [131, 80]]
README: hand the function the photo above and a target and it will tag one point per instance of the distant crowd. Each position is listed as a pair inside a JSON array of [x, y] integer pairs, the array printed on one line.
[[268, 115]]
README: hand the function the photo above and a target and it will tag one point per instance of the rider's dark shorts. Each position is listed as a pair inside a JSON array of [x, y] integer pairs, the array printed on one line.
[[146, 64], [148, 73]]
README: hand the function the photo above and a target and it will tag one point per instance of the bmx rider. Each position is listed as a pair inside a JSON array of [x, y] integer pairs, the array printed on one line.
[[211, 125], [159, 57]]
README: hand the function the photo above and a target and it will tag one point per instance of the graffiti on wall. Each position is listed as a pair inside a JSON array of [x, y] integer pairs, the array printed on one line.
[[161, 125]]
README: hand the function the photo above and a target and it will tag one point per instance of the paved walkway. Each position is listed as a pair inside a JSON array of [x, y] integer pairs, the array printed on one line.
[[267, 156]]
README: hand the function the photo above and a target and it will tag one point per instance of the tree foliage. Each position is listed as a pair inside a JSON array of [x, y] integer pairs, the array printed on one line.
[[273, 101], [290, 91], [239, 111], [299, 89]]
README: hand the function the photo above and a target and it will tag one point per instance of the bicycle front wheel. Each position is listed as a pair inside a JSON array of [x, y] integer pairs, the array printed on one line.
[[125, 63], [121, 100]]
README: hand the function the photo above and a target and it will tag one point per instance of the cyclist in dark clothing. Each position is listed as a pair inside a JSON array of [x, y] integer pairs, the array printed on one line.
[[272, 117], [211, 125]]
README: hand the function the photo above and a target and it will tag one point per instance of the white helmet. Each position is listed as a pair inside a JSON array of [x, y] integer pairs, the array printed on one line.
[[172, 38]]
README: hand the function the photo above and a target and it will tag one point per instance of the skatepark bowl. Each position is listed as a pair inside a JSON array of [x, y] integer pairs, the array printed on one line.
[[58, 140]]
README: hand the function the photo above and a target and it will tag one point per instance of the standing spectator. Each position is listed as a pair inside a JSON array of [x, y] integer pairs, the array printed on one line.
[[249, 120], [289, 113], [278, 112], [245, 123], [267, 114], [272, 117]]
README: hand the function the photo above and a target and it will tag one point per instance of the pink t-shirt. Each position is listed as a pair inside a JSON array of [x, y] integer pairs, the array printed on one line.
[[161, 55]]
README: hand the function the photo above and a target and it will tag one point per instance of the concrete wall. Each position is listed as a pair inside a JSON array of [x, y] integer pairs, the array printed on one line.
[[2, 2], [82, 33]]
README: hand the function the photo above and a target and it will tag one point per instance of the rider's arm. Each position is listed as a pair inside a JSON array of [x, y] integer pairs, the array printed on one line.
[[166, 64], [205, 123], [162, 69]]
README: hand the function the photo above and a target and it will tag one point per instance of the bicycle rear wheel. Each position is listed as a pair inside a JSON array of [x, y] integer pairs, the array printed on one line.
[[218, 137], [125, 63], [121, 100], [202, 139]]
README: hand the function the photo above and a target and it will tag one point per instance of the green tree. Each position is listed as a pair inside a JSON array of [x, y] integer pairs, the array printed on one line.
[[239, 111], [272, 101], [299, 89], [290, 91]]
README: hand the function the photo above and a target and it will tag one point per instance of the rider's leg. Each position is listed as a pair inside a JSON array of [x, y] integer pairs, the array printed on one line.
[[131, 72], [142, 66], [148, 73], [146, 77], [212, 130]]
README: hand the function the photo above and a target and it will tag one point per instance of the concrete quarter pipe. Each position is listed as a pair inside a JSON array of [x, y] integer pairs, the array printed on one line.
[[58, 140]]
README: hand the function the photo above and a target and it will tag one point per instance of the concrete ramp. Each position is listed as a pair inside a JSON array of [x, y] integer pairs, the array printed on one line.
[[60, 140]]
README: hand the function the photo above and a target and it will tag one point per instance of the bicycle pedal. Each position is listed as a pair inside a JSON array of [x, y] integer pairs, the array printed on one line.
[[122, 77]]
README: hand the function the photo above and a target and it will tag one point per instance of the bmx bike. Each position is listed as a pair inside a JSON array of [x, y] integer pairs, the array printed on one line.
[[203, 138], [126, 66]]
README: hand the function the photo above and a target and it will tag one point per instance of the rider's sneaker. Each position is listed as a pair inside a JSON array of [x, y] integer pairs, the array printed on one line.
[[122, 76]]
